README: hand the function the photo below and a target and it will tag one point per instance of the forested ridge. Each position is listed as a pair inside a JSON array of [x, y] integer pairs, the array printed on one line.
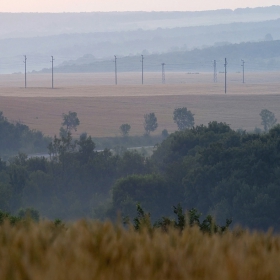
[[259, 56], [222, 172]]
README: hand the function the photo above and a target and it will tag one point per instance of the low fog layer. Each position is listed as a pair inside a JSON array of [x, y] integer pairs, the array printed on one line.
[[96, 36]]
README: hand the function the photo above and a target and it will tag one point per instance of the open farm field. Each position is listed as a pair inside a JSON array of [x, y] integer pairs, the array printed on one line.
[[95, 250], [102, 106]]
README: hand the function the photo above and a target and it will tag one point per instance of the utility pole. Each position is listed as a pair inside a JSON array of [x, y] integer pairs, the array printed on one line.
[[225, 75], [215, 72], [25, 70], [52, 69], [142, 69], [116, 73], [243, 66], [163, 73]]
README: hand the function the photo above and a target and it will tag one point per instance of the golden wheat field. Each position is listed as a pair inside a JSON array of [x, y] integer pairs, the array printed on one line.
[[102, 106], [95, 250]]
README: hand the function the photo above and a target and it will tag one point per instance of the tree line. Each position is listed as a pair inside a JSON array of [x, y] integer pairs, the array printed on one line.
[[222, 172], [231, 174], [16, 137], [183, 117]]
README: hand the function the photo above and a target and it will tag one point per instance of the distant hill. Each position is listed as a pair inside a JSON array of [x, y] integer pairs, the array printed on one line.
[[103, 35], [68, 47], [45, 24], [258, 56]]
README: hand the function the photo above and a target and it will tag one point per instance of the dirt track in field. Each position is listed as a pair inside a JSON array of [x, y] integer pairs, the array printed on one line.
[[102, 108]]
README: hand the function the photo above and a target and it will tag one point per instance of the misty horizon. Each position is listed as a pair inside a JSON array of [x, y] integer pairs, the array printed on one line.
[[74, 37]]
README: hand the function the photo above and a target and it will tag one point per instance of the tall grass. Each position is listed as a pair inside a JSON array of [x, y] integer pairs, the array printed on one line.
[[96, 250]]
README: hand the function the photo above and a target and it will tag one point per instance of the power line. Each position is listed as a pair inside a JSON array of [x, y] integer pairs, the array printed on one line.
[[116, 76], [163, 73], [142, 69], [25, 71], [215, 72], [225, 75], [52, 69], [32, 63], [243, 66]]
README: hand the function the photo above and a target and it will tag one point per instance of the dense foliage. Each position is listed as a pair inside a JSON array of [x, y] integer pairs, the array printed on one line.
[[192, 218], [16, 137], [215, 169], [128, 142], [71, 183], [222, 172], [183, 118]]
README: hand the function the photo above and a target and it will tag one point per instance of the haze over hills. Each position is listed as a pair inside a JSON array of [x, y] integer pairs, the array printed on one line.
[[258, 56], [95, 36], [43, 24]]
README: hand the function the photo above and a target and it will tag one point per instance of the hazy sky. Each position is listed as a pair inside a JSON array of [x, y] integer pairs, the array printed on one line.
[[127, 5]]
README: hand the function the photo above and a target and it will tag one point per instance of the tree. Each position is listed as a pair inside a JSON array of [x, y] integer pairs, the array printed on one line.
[[86, 148], [63, 132], [29, 213], [151, 191], [268, 37], [71, 121], [150, 123], [268, 119], [125, 128], [183, 118], [164, 133]]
